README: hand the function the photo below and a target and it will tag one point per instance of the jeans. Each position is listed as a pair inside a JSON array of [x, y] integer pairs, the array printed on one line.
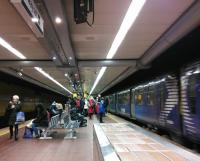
[[35, 129]]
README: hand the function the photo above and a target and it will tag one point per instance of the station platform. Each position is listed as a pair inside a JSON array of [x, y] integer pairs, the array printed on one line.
[[115, 139]]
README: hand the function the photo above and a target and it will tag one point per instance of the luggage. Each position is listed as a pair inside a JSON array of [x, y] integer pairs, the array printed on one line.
[[20, 117], [28, 133]]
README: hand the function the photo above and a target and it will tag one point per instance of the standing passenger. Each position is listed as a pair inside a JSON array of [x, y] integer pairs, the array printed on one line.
[[101, 110], [14, 106], [91, 107], [86, 107]]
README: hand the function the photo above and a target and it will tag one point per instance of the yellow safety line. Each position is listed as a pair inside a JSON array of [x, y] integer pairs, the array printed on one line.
[[114, 118], [5, 131]]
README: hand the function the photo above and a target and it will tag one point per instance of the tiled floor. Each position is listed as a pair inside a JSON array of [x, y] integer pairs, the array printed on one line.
[[132, 145], [57, 149]]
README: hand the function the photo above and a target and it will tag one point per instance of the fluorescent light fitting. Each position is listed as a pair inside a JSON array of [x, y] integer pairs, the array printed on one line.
[[131, 15], [58, 20], [102, 71], [51, 78], [11, 49], [34, 19]]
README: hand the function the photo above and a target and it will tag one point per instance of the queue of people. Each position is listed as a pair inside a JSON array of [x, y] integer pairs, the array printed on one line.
[[90, 106], [85, 106]]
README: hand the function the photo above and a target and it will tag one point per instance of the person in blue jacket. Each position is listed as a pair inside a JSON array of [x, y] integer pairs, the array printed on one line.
[[101, 110]]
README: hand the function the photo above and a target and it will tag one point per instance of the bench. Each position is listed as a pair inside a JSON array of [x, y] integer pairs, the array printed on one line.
[[70, 127], [65, 113], [52, 124]]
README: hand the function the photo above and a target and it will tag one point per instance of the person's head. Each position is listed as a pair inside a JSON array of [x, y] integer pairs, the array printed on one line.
[[15, 99]]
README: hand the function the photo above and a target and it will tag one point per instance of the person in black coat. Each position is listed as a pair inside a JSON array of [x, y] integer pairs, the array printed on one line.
[[14, 106], [41, 119]]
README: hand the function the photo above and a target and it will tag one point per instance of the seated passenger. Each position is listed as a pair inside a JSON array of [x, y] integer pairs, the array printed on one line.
[[41, 119], [53, 109]]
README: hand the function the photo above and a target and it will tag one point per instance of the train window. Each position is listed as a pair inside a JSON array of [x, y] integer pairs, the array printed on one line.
[[151, 96], [192, 93], [139, 97]]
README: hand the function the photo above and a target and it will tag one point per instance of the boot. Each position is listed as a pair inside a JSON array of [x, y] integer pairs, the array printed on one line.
[[11, 132]]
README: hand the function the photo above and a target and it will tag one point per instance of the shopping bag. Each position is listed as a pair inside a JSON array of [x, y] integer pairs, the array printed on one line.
[[28, 133], [20, 117]]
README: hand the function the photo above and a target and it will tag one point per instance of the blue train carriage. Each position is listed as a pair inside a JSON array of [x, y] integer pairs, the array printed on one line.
[[112, 103], [190, 101], [123, 103], [156, 104]]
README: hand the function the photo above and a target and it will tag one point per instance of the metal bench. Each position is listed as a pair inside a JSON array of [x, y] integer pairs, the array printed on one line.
[[46, 130], [65, 113], [70, 127]]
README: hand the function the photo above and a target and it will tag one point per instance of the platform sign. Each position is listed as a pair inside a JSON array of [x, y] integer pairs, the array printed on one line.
[[28, 10], [34, 13]]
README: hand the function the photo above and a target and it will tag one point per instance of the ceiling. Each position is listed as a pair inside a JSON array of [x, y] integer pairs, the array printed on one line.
[[155, 18]]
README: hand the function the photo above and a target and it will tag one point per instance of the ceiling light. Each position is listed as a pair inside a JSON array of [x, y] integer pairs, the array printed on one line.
[[70, 58], [34, 19], [54, 58], [11, 49], [103, 69], [131, 15], [21, 56], [58, 20], [66, 75], [51, 78]]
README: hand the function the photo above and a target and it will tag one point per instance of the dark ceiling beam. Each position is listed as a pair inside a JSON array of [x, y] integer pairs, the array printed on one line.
[[106, 63], [81, 63], [27, 63]]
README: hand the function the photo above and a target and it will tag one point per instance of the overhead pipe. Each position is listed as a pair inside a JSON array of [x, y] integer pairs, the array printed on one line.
[[186, 23]]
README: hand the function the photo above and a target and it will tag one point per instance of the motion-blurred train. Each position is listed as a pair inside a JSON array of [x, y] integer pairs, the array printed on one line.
[[170, 102]]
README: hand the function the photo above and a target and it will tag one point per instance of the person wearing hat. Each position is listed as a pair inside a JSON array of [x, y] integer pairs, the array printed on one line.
[[14, 106]]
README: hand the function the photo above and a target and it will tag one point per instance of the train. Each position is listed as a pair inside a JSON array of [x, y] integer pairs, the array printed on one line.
[[170, 102]]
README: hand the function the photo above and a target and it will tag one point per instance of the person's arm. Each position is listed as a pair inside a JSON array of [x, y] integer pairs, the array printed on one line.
[[18, 107], [8, 109]]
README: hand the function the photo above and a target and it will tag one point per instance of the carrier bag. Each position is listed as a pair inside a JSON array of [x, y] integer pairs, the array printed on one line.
[[20, 117], [28, 133]]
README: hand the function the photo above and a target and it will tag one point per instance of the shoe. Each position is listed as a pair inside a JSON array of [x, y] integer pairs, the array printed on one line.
[[11, 136], [16, 138]]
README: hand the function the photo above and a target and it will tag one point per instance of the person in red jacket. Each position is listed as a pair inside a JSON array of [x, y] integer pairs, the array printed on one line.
[[91, 107]]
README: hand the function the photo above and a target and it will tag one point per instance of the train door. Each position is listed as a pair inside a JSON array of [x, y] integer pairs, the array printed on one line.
[[132, 103]]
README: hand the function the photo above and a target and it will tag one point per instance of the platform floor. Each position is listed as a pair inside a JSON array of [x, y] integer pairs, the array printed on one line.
[[133, 143], [57, 149], [128, 143]]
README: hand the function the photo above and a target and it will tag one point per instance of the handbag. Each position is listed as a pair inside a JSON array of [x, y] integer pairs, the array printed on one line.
[[20, 117]]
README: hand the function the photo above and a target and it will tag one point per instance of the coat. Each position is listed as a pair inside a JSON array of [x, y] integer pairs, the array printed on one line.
[[42, 117], [11, 112], [102, 107], [91, 106]]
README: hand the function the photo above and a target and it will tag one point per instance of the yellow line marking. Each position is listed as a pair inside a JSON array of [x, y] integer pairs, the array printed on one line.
[[5, 131], [115, 118]]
